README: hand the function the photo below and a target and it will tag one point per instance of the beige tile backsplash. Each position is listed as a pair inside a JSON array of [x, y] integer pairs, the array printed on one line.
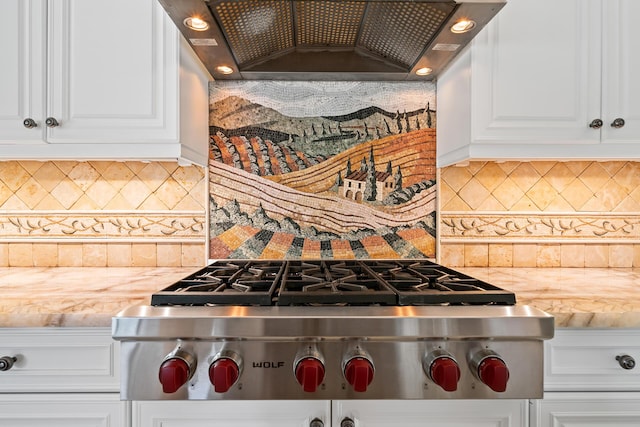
[[520, 214], [105, 213], [540, 214]]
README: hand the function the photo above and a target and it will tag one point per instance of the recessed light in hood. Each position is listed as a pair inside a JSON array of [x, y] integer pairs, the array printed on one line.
[[329, 39], [196, 23], [463, 26]]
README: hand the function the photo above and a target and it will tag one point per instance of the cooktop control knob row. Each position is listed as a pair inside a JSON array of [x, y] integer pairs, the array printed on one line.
[[176, 369], [358, 369]]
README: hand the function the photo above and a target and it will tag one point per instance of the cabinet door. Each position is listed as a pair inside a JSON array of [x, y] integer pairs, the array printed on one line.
[[585, 359], [113, 72], [22, 24], [621, 68], [536, 74], [63, 410], [279, 413], [450, 413], [587, 409]]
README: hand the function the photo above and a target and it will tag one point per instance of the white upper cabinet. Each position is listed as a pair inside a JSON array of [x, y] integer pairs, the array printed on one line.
[[546, 79], [620, 72], [23, 52], [85, 79]]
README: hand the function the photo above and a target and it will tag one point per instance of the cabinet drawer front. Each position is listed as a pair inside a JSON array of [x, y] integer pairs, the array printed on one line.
[[63, 410], [591, 409], [60, 359], [585, 359]]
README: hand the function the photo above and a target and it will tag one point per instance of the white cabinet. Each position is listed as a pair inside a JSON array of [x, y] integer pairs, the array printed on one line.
[[282, 413], [585, 360], [60, 360], [63, 410], [585, 384], [61, 377], [434, 413], [532, 82], [117, 78], [591, 409]]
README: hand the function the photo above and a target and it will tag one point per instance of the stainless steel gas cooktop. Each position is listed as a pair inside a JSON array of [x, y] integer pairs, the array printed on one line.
[[329, 329]]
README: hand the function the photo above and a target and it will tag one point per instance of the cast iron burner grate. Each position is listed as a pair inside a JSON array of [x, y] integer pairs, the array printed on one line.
[[330, 282], [228, 283], [424, 283]]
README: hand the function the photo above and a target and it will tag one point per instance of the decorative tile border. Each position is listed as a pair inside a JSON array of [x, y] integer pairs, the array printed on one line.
[[93, 225], [532, 226]]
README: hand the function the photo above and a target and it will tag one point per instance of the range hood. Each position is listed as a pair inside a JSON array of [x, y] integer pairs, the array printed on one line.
[[328, 39]]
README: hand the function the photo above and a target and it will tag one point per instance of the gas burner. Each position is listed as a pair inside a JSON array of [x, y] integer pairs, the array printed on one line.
[[330, 282], [426, 283], [232, 282]]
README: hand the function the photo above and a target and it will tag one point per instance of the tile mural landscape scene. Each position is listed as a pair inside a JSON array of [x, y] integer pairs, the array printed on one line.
[[332, 170]]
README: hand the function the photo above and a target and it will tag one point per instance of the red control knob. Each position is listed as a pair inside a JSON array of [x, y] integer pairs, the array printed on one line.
[[359, 373], [223, 373], [494, 373], [445, 372], [310, 373], [173, 374]]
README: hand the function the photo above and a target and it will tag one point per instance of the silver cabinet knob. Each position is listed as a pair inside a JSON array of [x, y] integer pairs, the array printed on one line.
[[316, 422], [595, 124], [347, 422], [626, 361], [617, 123], [6, 362], [51, 122], [29, 123]]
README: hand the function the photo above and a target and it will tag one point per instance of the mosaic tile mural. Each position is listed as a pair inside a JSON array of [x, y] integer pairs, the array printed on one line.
[[302, 170]]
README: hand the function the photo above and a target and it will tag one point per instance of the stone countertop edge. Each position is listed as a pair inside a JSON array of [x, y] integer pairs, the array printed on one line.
[[90, 297]]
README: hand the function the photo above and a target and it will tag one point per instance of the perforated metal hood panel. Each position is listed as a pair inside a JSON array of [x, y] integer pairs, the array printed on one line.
[[328, 39]]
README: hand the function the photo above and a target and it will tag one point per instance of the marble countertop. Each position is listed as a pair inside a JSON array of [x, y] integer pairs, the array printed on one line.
[[77, 297], [576, 297], [35, 297]]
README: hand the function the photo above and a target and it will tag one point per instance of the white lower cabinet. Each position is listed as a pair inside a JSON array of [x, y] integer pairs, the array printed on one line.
[[63, 410], [61, 377], [585, 384], [338, 413], [592, 409], [431, 413], [299, 413]]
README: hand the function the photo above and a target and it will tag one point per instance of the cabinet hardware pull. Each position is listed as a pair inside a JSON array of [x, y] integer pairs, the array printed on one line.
[[52, 122], [6, 362], [595, 124], [617, 123], [347, 422], [626, 361], [29, 123], [316, 422]]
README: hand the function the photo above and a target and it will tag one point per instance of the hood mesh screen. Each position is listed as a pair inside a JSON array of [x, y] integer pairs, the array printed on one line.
[[256, 29], [328, 23], [397, 31]]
